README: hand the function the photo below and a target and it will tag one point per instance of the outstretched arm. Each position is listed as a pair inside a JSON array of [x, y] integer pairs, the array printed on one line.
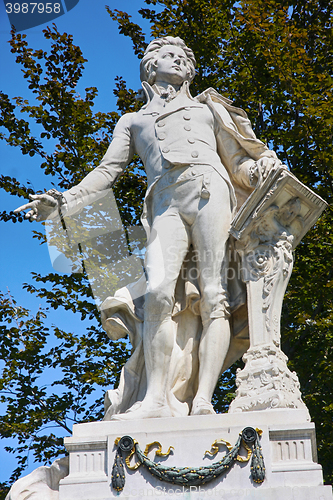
[[117, 157]]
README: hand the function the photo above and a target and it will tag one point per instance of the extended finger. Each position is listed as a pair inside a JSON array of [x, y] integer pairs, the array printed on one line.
[[27, 206]]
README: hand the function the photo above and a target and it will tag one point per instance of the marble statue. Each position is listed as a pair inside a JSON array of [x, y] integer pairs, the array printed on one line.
[[186, 317], [222, 217]]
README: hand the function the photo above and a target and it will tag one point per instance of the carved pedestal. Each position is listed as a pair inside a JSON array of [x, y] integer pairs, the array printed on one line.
[[266, 382], [266, 230], [287, 442]]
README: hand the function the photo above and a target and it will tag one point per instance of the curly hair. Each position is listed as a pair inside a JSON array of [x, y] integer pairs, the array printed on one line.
[[147, 73]]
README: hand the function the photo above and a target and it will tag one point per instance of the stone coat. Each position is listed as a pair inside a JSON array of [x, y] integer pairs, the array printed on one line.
[[206, 130], [185, 132]]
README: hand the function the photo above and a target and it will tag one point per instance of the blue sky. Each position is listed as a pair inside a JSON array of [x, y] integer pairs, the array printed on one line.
[[109, 55]]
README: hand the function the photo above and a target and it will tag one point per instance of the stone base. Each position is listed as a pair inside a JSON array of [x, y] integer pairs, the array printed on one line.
[[288, 445], [266, 382]]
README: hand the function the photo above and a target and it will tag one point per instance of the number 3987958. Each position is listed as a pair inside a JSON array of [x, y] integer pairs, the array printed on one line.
[[30, 8]]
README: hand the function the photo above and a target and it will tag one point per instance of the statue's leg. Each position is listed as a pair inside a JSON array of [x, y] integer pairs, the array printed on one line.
[[213, 349], [210, 234], [166, 251]]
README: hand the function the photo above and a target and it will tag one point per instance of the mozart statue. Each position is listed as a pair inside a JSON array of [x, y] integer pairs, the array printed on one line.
[[202, 161]]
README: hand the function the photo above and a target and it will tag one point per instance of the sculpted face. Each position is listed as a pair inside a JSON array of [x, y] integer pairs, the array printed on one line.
[[171, 65]]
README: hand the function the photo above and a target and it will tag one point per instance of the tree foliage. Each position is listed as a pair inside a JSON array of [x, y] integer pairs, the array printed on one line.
[[76, 366], [275, 60]]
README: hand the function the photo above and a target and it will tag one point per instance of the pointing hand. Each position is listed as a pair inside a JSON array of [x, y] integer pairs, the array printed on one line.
[[42, 205]]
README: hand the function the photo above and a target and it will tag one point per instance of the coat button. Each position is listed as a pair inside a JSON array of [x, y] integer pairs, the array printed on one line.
[[190, 140], [187, 116], [160, 124], [194, 154], [165, 150], [161, 136], [187, 127]]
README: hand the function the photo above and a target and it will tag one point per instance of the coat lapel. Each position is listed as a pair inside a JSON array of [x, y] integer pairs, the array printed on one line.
[[159, 108]]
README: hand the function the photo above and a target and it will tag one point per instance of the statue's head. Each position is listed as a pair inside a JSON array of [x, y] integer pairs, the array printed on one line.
[[156, 58]]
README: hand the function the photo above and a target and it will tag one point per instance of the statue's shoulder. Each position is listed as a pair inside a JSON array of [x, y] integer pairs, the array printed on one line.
[[128, 117], [126, 120]]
